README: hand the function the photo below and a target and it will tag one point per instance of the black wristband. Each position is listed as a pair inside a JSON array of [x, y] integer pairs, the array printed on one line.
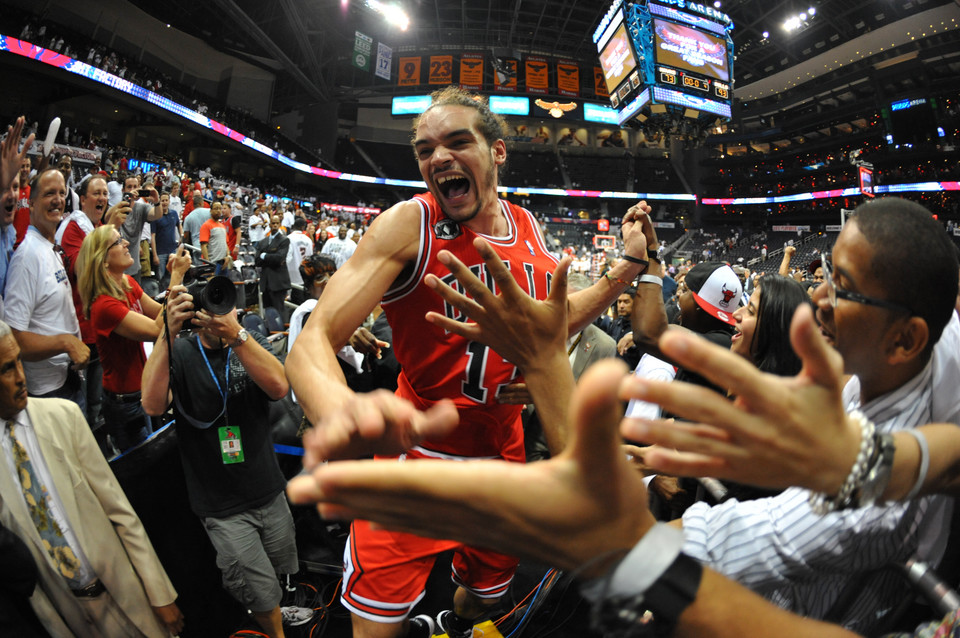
[[666, 598], [636, 260], [674, 590], [653, 254]]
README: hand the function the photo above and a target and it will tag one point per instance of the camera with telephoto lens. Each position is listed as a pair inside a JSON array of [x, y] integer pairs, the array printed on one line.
[[214, 295]]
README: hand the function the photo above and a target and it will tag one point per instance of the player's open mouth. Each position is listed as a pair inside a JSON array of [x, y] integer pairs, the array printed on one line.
[[453, 187]]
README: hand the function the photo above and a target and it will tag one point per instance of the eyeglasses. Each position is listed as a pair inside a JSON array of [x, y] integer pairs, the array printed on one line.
[[834, 292], [119, 242]]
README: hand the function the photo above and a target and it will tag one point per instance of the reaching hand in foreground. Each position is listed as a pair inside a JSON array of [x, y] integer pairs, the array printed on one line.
[[778, 432], [575, 511]]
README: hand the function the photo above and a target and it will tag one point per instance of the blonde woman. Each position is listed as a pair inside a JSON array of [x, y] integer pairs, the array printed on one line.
[[122, 317]]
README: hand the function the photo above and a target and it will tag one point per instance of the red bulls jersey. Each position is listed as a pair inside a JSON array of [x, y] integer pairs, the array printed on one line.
[[440, 365]]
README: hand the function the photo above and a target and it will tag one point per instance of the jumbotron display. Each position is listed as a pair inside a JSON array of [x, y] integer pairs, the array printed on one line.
[[668, 62]]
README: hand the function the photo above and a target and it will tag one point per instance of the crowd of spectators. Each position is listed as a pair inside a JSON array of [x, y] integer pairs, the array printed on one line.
[[98, 54]]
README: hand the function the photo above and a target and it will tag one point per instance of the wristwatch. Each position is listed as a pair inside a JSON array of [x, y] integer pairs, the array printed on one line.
[[877, 477], [242, 337]]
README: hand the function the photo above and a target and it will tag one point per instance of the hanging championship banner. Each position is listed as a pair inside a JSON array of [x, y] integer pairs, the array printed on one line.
[[362, 50], [506, 81], [538, 77], [384, 60], [568, 78], [441, 69], [471, 71], [600, 83], [408, 72]]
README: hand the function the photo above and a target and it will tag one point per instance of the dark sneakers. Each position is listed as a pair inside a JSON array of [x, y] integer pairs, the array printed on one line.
[[454, 626], [421, 626]]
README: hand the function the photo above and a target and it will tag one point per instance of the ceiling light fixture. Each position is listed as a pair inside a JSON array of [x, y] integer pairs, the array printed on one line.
[[392, 13], [799, 21]]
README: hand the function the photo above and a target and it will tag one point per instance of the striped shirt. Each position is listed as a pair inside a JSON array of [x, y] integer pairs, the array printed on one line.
[[803, 562]]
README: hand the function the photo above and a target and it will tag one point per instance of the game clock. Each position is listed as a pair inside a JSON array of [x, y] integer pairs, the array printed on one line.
[[692, 82]]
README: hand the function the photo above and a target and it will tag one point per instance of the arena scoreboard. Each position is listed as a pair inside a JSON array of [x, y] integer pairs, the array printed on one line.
[[666, 59]]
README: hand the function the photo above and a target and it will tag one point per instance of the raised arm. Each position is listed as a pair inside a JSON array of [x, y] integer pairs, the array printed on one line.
[[649, 316], [155, 395], [586, 305], [349, 425], [788, 252]]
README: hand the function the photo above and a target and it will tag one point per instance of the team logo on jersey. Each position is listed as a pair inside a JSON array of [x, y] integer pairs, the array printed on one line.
[[447, 229]]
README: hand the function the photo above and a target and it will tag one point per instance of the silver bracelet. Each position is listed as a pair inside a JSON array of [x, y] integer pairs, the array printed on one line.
[[821, 503], [651, 279], [924, 463]]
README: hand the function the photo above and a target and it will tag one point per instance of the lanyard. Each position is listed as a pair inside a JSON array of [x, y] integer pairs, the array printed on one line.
[[223, 391]]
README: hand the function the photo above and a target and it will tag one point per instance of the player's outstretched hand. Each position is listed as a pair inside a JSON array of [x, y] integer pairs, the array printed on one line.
[[778, 432], [515, 325], [574, 511], [375, 422]]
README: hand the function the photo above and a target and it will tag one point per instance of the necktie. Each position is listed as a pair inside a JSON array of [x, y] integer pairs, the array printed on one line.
[[37, 499]]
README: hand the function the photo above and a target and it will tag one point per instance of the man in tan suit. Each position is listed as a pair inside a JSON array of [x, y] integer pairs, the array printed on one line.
[[99, 575]]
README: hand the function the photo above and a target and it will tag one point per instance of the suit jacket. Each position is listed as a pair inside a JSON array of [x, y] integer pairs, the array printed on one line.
[[274, 274], [595, 344], [107, 528]]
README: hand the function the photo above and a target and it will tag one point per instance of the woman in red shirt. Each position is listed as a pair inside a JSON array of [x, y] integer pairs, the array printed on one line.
[[122, 317]]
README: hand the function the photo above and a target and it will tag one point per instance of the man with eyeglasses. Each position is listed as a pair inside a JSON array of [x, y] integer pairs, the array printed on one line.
[[886, 305]]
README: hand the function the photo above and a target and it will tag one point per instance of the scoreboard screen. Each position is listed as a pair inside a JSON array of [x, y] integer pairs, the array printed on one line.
[[691, 50], [617, 59]]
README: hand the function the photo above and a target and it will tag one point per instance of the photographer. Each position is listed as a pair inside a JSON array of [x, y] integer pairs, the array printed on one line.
[[141, 212], [221, 379], [121, 317]]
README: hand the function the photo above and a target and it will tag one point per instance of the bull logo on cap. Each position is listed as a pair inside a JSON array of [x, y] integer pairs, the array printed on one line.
[[727, 295]]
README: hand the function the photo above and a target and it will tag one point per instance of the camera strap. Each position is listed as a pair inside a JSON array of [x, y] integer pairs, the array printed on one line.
[[224, 391]]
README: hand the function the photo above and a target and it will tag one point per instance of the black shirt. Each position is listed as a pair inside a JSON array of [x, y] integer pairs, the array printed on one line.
[[218, 489]]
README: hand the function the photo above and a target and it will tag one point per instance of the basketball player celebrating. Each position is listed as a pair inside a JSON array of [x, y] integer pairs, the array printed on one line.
[[446, 404]]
